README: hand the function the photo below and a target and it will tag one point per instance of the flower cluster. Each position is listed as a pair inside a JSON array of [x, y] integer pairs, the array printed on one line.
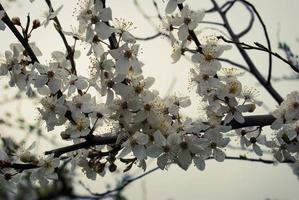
[[285, 144], [117, 101]]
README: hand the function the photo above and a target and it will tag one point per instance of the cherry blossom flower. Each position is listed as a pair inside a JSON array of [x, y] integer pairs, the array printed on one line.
[[53, 111], [126, 57], [46, 170], [80, 128], [135, 143], [76, 83], [51, 15], [215, 142], [210, 52], [187, 21]]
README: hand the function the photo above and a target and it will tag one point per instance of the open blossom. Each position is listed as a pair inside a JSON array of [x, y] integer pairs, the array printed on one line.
[[187, 21], [48, 76], [53, 111], [92, 18], [82, 104], [215, 143], [46, 171], [50, 15], [79, 128], [76, 83], [126, 57], [136, 144], [167, 27], [288, 111], [122, 27], [210, 52], [2, 25]]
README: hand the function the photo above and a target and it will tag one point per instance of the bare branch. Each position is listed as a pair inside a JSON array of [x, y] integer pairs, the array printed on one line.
[[246, 57], [250, 24], [69, 50], [18, 35], [266, 36], [233, 63]]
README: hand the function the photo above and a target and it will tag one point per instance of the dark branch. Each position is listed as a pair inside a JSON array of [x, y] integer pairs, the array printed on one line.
[[266, 36], [255, 120], [21, 39], [69, 50], [233, 63], [246, 57], [92, 141], [150, 37], [250, 24]]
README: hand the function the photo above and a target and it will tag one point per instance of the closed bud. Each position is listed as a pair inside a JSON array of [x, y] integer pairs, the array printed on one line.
[[36, 24], [16, 21], [64, 135], [112, 167]]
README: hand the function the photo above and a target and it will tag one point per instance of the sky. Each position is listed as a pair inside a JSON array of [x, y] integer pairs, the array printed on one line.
[[229, 180]]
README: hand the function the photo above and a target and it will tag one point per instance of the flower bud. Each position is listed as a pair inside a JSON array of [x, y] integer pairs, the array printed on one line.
[[16, 21], [35, 24], [64, 135], [28, 157], [112, 167]]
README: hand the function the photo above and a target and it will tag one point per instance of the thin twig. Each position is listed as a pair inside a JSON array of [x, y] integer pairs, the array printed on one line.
[[70, 51], [266, 36], [250, 24], [233, 63], [18, 35], [246, 57]]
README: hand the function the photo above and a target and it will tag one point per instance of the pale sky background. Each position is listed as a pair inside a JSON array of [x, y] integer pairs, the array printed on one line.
[[231, 180]]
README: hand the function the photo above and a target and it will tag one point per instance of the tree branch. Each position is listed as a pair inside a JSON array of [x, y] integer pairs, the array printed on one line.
[[266, 36], [69, 50], [250, 24], [255, 120], [247, 59], [18, 35], [233, 63]]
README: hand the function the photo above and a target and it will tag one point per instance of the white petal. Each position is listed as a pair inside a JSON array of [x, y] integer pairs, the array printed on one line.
[[139, 152], [103, 30], [43, 90], [162, 161], [199, 163], [183, 32], [122, 65], [40, 81], [154, 151], [141, 138], [81, 84], [171, 6], [55, 85], [185, 159], [257, 150], [106, 14], [218, 155], [159, 138], [128, 37]]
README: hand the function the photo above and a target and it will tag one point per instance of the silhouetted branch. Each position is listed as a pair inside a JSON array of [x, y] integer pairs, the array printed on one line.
[[266, 36], [233, 63], [251, 65], [69, 50], [250, 24], [18, 35]]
